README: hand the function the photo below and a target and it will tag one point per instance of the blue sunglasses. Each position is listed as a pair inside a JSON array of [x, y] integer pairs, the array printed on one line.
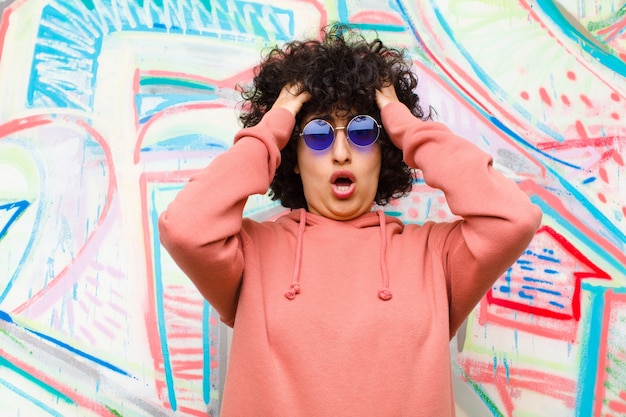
[[362, 131]]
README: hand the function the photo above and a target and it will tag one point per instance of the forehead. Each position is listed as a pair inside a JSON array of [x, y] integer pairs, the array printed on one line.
[[331, 115]]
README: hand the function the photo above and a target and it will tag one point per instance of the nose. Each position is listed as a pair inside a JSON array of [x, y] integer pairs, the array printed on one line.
[[342, 152]]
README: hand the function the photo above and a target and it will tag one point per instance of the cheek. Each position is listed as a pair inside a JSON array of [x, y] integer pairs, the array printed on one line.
[[375, 160], [305, 164], [300, 158]]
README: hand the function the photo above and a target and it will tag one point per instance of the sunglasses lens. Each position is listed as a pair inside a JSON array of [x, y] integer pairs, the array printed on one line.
[[363, 130], [318, 134]]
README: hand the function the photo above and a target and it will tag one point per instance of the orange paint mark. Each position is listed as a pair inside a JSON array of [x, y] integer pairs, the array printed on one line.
[[615, 97], [601, 197], [544, 96], [571, 75], [580, 129], [510, 382], [604, 175], [618, 158], [619, 407], [186, 411], [584, 142], [377, 17], [565, 100], [615, 116], [524, 95], [586, 100]]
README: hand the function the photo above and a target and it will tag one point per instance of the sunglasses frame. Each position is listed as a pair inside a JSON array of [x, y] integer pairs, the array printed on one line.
[[345, 128]]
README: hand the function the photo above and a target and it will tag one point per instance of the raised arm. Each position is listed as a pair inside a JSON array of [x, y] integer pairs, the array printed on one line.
[[499, 221], [201, 228]]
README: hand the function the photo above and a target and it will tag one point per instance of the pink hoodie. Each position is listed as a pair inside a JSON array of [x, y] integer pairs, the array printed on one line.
[[346, 318]]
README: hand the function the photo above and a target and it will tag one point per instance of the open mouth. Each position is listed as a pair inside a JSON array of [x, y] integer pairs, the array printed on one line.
[[343, 184]]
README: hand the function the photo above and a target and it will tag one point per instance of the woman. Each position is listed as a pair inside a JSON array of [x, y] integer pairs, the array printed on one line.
[[336, 308]]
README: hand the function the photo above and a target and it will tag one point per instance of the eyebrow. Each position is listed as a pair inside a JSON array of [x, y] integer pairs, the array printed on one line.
[[329, 117]]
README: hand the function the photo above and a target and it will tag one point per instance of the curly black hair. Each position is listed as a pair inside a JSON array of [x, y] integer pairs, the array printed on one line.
[[342, 71]]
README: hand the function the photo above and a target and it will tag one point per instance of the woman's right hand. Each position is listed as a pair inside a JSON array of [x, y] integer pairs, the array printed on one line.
[[292, 97]]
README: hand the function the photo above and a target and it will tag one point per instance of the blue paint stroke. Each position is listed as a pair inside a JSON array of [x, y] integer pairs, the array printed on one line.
[[589, 349], [588, 45], [6, 317], [18, 208], [79, 352], [160, 309], [30, 398], [64, 68], [548, 259], [543, 290], [523, 294], [167, 101], [618, 234], [36, 225], [537, 280], [206, 348], [191, 142]]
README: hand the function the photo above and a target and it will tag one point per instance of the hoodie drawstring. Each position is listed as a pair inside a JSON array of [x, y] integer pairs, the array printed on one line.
[[294, 288], [384, 293]]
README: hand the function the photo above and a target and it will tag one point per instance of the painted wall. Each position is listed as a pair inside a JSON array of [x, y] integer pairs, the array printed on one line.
[[107, 107]]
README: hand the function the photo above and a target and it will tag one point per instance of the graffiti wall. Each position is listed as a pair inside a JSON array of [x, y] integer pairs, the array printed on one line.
[[108, 106]]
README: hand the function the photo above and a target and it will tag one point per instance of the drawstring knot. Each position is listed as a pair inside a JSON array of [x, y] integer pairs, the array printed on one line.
[[384, 294], [294, 289]]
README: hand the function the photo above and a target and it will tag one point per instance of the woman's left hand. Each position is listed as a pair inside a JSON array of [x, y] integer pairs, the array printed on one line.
[[385, 95]]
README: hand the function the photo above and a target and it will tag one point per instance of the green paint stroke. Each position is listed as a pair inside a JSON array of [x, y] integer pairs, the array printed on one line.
[[113, 411], [46, 387], [13, 338], [484, 397], [595, 26]]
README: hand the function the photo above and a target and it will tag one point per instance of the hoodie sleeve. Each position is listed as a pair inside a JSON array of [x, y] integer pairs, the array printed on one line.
[[201, 227], [499, 220]]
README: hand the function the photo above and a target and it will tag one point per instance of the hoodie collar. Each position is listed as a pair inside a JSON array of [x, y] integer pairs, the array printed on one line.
[[371, 219]]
